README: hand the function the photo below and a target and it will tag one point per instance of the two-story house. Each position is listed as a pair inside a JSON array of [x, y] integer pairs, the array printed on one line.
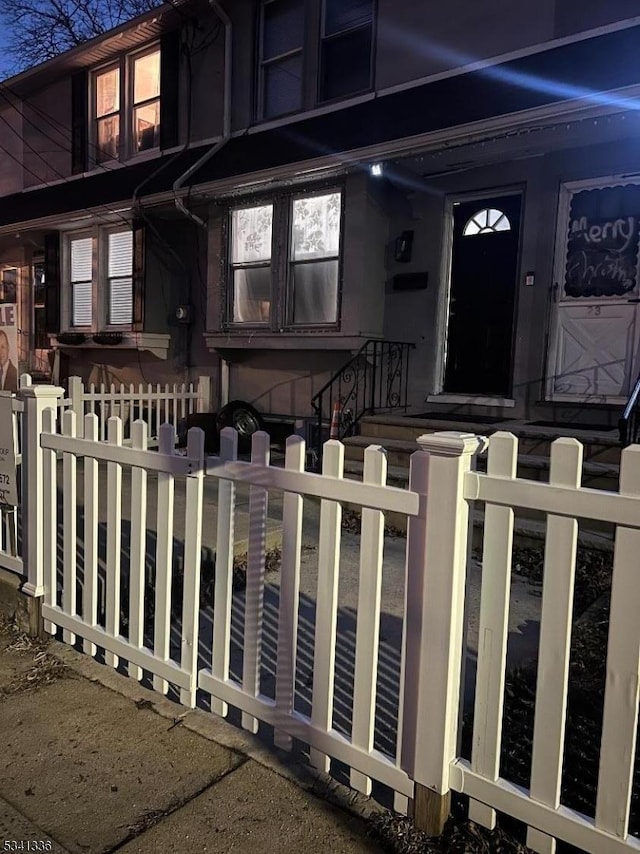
[[255, 189]]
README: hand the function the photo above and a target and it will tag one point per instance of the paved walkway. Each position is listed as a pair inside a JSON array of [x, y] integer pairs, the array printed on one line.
[[93, 762]]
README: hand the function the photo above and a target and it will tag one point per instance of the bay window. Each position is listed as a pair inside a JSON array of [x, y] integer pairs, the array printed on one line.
[[285, 261], [99, 272]]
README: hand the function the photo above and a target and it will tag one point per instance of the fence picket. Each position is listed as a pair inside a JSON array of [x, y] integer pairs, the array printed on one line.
[[224, 568], [114, 539], [555, 643], [289, 591], [254, 594], [368, 622], [50, 519], [103, 413], [164, 555], [326, 603], [493, 626], [70, 545], [138, 547], [620, 719], [90, 533], [191, 571]]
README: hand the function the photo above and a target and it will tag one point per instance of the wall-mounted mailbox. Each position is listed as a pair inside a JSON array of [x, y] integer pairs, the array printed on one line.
[[410, 281]]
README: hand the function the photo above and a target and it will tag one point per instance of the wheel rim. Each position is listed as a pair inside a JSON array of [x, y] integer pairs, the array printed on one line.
[[245, 423]]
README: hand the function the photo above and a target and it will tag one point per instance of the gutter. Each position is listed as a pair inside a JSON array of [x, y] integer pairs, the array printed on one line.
[[226, 127]]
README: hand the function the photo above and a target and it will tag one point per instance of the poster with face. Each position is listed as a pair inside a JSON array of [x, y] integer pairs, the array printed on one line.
[[8, 347]]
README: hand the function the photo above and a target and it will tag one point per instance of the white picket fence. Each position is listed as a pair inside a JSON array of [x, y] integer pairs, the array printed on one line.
[[426, 764]]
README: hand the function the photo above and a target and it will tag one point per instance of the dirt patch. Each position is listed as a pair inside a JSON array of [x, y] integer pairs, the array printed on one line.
[[26, 661], [352, 520]]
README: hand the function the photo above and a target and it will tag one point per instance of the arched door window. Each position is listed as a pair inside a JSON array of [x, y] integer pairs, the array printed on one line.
[[487, 221]]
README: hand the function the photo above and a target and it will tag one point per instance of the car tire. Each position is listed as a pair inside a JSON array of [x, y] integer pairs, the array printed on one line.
[[242, 417]]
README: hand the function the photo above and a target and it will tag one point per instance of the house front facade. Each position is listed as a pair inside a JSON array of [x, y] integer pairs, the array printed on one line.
[[255, 190]]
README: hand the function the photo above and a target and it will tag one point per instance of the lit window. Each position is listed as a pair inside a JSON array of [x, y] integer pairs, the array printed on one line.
[[113, 101], [251, 232], [107, 114], [487, 221], [281, 57], [315, 252]]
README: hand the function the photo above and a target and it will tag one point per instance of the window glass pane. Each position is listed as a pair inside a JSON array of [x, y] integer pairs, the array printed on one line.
[[9, 283], [283, 86], [81, 259], [81, 304], [108, 138], [107, 92], [146, 123], [346, 64], [315, 292], [283, 27], [120, 301], [146, 77], [342, 14], [316, 227], [120, 254], [251, 295], [251, 234]]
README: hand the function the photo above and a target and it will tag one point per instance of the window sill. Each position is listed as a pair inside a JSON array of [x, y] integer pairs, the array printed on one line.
[[319, 339], [158, 344], [472, 400]]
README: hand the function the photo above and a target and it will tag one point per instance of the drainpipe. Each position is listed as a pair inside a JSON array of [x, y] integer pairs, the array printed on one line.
[[226, 127]]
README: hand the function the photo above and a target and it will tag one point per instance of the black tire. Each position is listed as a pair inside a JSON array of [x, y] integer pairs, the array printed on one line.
[[242, 417]]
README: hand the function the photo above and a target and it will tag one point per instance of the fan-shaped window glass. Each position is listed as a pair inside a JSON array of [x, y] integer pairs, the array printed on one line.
[[487, 221]]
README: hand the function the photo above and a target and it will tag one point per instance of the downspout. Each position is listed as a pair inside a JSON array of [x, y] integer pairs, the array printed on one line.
[[226, 126]]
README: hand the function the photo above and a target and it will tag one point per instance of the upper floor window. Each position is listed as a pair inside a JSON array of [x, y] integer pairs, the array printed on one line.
[[300, 64], [126, 98], [346, 46]]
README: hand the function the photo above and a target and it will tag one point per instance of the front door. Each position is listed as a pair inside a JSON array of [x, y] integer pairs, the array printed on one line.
[[483, 286]]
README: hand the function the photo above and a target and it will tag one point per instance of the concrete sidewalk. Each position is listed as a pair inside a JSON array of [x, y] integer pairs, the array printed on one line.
[[93, 762]]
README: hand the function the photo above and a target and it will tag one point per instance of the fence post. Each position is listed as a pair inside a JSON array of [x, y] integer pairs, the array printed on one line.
[[76, 396], [36, 399], [435, 586], [204, 394]]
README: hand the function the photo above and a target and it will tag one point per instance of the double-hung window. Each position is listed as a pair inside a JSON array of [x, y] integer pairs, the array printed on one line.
[[284, 262], [126, 105], [251, 238], [281, 55], [100, 279], [346, 48]]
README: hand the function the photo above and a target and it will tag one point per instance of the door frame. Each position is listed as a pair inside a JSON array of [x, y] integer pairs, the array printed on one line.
[[566, 191], [444, 296]]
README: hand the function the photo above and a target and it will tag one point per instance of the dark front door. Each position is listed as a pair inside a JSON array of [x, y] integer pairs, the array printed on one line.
[[483, 285]]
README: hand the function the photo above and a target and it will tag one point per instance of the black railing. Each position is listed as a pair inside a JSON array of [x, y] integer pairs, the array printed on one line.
[[629, 424], [373, 381]]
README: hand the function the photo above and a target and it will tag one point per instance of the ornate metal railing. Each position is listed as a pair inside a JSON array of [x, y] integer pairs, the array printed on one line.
[[374, 380], [629, 424]]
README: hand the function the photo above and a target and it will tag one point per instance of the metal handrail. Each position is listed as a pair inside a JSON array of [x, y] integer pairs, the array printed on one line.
[[629, 423], [375, 379]]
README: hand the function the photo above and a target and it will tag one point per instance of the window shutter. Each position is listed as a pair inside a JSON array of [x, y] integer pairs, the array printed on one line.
[[120, 271], [52, 283], [79, 121], [169, 88], [138, 275]]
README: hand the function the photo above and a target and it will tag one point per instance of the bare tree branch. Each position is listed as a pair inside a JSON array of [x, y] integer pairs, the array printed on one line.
[[37, 30]]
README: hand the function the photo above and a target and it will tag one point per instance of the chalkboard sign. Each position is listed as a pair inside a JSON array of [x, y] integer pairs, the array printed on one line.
[[602, 244]]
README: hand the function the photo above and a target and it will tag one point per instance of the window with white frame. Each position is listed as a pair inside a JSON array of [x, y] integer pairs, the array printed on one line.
[[99, 266], [126, 106], [286, 254]]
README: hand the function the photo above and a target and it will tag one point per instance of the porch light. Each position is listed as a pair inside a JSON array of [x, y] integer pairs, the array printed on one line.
[[376, 170]]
